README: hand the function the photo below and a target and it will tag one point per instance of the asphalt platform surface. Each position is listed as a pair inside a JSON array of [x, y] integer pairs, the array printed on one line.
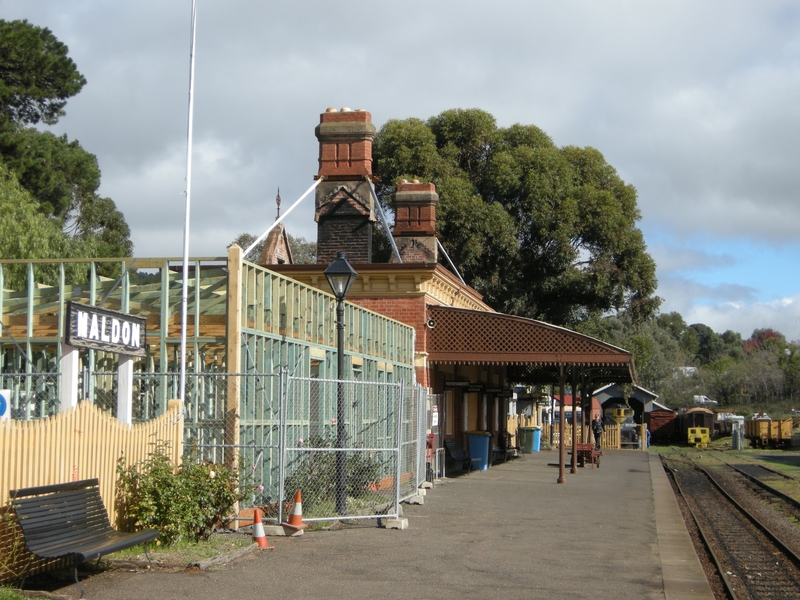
[[509, 532]]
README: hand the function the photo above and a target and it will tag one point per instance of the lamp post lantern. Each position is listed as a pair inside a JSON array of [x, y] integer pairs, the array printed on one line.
[[340, 276]]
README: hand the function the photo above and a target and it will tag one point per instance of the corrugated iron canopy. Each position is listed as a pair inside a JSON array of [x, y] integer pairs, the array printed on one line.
[[535, 352]]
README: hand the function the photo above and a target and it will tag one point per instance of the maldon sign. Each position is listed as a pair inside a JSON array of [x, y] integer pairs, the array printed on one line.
[[102, 329]]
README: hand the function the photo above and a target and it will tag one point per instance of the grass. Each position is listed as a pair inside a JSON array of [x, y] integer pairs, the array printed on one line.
[[7, 593], [185, 552]]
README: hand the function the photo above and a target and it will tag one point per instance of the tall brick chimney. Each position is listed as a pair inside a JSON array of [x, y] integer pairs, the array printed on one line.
[[415, 222], [344, 209]]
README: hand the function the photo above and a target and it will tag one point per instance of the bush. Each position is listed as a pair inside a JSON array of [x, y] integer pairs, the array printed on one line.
[[184, 503]]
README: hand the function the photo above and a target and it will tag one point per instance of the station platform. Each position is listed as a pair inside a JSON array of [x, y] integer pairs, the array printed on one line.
[[509, 532]]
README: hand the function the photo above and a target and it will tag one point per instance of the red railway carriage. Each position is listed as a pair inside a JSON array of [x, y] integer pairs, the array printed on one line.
[[661, 423]]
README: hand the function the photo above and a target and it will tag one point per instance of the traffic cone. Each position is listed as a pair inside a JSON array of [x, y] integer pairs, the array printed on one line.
[[259, 537], [296, 518]]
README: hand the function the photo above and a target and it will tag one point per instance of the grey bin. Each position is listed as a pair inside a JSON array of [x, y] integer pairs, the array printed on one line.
[[530, 438]]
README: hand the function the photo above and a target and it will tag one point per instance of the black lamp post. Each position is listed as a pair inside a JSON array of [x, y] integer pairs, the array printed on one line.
[[340, 276]]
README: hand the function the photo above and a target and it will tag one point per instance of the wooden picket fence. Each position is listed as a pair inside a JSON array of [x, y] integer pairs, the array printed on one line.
[[611, 436], [81, 443]]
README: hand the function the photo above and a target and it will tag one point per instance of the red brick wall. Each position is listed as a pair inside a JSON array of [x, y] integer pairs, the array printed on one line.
[[410, 311]]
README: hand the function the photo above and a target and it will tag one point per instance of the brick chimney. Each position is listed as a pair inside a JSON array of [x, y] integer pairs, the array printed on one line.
[[415, 222], [344, 209]]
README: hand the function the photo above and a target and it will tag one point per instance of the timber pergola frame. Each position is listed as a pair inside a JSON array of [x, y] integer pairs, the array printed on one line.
[[533, 351]]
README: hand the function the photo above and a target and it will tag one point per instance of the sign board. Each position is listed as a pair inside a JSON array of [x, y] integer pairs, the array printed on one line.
[[103, 329], [5, 405], [453, 384]]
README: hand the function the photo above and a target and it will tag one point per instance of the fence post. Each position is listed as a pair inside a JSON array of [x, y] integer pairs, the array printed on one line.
[[283, 393], [70, 364], [399, 408], [233, 353], [125, 389]]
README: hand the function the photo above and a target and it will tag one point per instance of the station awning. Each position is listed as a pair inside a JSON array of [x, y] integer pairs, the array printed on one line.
[[535, 352]]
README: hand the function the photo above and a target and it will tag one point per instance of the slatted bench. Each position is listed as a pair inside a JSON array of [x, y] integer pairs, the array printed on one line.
[[69, 520], [587, 452], [458, 455]]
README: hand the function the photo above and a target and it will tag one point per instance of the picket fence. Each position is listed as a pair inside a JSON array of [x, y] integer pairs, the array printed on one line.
[[81, 443]]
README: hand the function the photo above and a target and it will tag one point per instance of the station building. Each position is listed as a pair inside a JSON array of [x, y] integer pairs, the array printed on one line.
[[468, 355]]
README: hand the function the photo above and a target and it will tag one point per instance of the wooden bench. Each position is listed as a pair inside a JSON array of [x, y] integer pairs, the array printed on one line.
[[69, 520], [587, 452], [458, 455]]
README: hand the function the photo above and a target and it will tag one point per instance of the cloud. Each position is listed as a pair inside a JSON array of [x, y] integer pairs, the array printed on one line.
[[729, 306], [671, 258], [782, 315], [694, 103]]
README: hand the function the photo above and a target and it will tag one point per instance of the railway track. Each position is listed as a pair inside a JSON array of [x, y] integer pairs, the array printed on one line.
[[752, 561], [778, 489]]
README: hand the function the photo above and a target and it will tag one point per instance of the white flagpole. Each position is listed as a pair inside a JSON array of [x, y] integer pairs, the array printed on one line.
[[185, 290]]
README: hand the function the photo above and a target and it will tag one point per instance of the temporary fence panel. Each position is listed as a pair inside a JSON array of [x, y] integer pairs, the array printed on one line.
[[342, 447]]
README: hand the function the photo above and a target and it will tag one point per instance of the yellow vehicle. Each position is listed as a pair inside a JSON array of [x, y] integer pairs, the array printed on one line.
[[698, 436]]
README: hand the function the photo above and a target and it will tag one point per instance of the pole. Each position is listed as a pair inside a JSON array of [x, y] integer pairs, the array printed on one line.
[[562, 382], [281, 218], [341, 458], [185, 288]]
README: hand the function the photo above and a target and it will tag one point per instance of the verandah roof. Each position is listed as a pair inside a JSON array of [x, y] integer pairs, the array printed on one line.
[[536, 352]]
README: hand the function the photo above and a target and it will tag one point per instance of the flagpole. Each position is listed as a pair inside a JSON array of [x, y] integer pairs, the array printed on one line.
[[185, 288]]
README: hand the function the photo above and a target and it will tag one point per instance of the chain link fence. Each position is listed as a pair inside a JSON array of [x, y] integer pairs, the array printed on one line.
[[32, 395], [353, 449], [342, 447]]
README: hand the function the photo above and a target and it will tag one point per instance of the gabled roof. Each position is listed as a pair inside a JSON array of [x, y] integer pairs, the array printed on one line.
[[538, 350]]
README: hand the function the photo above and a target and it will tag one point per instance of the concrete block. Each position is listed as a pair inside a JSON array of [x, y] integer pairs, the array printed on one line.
[[280, 530], [416, 500], [422, 492], [426, 485], [396, 523]]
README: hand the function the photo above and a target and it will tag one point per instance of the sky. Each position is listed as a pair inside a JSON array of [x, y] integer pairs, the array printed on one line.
[[695, 103]]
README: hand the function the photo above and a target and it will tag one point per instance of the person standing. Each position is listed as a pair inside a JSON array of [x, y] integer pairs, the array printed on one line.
[[597, 429]]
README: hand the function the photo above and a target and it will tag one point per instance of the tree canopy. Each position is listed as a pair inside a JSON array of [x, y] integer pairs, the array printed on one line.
[[678, 361], [36, 79], [541, 231], [36, 75]]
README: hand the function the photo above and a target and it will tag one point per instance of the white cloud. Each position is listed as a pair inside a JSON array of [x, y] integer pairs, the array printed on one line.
[[782, 315], [695, 103]]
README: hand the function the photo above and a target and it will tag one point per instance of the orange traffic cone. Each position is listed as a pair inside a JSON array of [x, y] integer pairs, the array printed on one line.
[[296, 518], [259, 537]]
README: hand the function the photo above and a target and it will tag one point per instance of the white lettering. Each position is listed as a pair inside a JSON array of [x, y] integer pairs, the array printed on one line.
[[103, 333], [126, 333], [94, 333], [83, 324], [114, 331], [135, 341]]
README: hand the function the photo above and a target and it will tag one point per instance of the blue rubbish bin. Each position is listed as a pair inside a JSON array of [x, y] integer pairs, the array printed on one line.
[[537, 439], [478, 444]]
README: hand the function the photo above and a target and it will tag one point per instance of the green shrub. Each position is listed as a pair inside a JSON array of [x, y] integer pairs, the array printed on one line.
[[183, 503]]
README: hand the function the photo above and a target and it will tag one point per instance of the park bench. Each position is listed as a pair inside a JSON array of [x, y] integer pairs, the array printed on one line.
[[69, 520], [458, 455], [587, 452]]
